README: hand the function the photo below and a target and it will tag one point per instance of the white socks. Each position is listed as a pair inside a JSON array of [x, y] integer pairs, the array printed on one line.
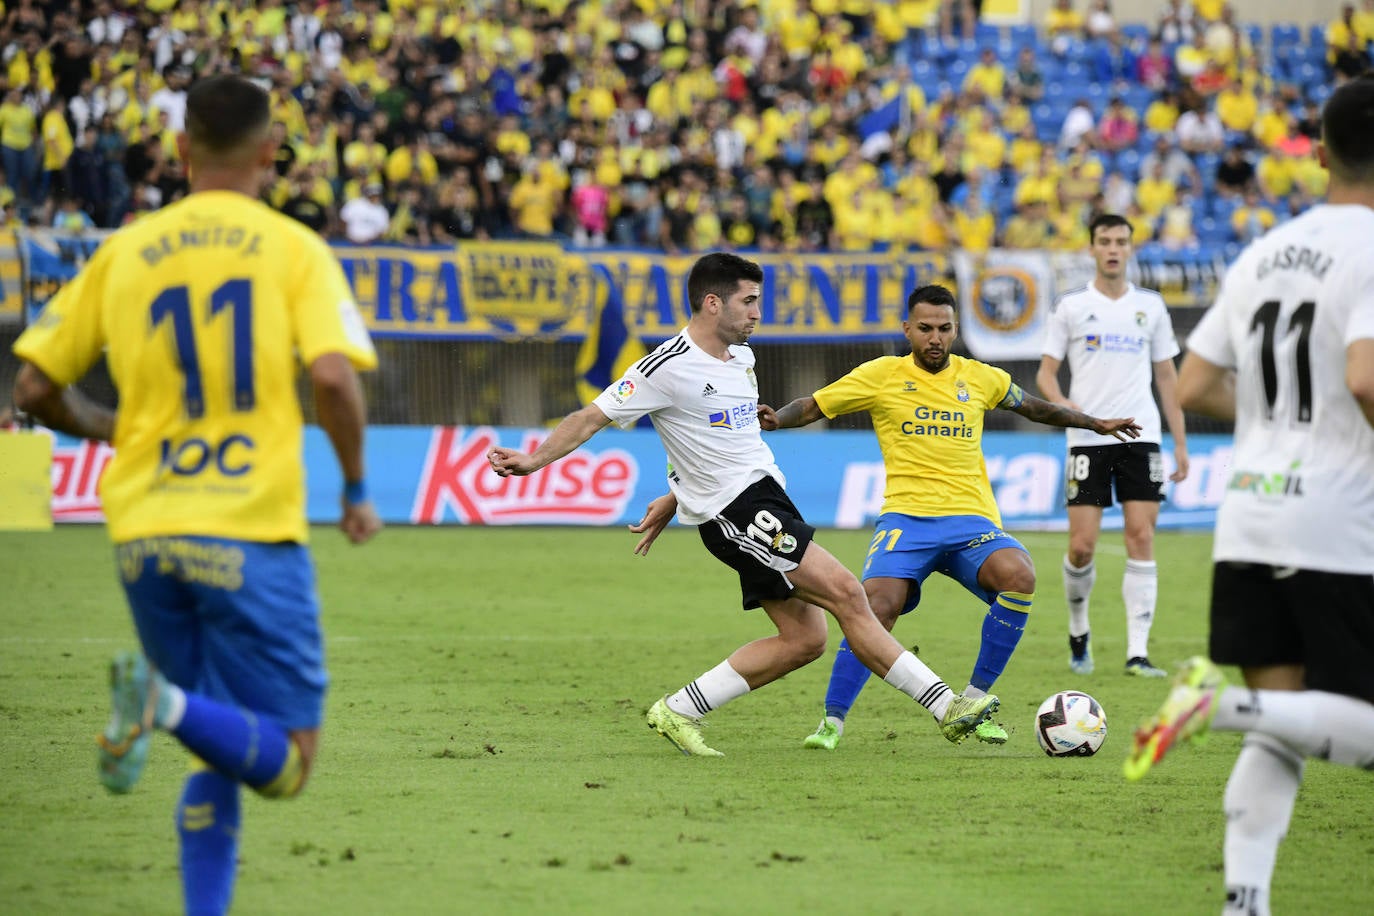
[[1259, 805], [1078, 587], [1139, 589], [911, 676], [713, 689], [1327, 726]]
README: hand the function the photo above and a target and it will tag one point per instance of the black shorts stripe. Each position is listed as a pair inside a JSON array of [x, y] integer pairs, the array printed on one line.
[[743, 541], [650, 364]]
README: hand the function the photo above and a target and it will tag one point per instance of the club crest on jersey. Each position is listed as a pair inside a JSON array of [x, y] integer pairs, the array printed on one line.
[[961, 390], [784, 543], [623, 391], [1140, 319], [753, 380], [1092, 342]]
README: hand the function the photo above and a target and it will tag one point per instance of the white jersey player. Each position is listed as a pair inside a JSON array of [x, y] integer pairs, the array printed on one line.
[[1117, 338], [700, 392], [1287, 352]]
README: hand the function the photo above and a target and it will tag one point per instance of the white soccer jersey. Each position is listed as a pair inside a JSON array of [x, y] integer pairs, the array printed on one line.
[[1301, 491], [707, 414], [1112, 346]]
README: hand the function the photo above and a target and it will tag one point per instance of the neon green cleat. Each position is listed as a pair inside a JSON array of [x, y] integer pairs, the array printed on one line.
[[124, 743], [825, 738], [684, 733], [989, 732], [964, 715], [1140, 666], [1186, 714]]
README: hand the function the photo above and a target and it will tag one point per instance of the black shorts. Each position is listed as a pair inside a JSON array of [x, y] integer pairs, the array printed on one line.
[[1263, 615], [1137, 468], [761, 536]]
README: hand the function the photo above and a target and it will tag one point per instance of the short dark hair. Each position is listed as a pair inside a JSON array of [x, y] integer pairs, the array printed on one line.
[[931, 294], [225, 111], [1107, 221], [719, 273], [1348, 130]]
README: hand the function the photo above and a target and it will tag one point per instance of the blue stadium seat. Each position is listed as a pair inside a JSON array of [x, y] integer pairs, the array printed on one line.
[[1138, 98], [1074, 71], [1320, 94], [956, 70], [1309, 75], [1024, 36], [1316, 35], [1128, 164], [1057, 93], [1256, 35], [1135, 31], [1223, 208], [1211, 231], [1285, 33], [985, 32], [1207, 162], [922, 68]]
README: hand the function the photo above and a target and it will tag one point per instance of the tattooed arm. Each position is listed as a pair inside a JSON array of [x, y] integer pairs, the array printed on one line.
[[1041, 411]]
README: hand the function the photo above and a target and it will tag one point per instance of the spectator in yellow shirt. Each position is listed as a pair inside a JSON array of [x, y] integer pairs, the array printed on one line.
[[1029, 228], [57, 149], [987, 77], [17, 152], [534, 204], [1339, 32], [1155, 191], [1252, 218], [974, 226], [1237, 107], [1162, 114], [1063, 23], [364, 157]]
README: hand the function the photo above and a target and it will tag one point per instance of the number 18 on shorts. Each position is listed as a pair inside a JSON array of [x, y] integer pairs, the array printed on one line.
[[1134, 469]]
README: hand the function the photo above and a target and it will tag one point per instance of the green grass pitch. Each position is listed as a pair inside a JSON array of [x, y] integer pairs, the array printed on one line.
[[485, 751]]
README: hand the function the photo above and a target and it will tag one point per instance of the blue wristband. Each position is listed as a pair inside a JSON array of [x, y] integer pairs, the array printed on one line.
[[355, 492]]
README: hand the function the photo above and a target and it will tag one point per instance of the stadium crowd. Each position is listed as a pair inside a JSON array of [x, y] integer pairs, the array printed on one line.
[[688, 125]]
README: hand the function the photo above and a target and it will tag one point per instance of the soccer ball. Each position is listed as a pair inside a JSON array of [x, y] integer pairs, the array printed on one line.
[[1070, 724]]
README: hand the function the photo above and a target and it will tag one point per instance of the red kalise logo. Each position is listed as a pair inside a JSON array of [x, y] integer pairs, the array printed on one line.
[[76, 470], [586, 487]]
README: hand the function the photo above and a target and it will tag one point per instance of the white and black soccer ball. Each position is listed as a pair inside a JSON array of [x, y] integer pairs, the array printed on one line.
[[1070, 724]]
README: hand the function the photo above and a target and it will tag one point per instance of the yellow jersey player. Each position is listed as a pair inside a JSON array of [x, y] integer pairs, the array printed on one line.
[[938, 510], [205, 310]]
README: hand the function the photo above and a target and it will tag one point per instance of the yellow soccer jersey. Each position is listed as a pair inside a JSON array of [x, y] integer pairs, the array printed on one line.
[[930, 430], [207, 308]]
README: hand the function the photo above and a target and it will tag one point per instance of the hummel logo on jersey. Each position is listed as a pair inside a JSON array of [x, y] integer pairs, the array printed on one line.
[[708, 390], [909, 386]]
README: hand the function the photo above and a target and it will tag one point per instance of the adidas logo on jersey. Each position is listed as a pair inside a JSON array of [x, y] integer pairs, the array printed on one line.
[[1091, 317], [708, 390]]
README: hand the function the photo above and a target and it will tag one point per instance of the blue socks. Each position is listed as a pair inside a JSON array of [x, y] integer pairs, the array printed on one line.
[[243, 746], [847, 679], [208, 825], [1002, 629]]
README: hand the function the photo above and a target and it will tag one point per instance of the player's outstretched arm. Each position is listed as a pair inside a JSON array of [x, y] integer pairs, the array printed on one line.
[[63, 409], [343, 415], [1206, 388], [798, 413], [576, 428], [1359, 375], [656, 517], [1041, 411]]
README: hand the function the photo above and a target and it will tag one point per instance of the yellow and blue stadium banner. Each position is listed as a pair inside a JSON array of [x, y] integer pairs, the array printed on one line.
[[609, 347]]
